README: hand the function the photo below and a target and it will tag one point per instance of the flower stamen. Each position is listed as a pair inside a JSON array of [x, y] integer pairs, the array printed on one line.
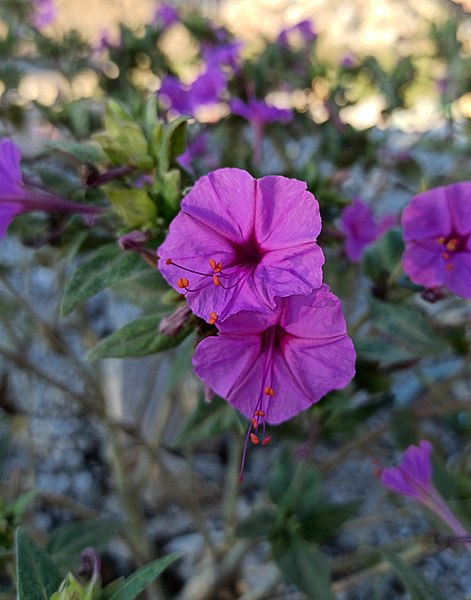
[[212, 317]]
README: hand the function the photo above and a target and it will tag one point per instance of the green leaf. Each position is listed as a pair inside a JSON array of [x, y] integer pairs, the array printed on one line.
[[85, 153], [37, 576], [140, 337], [108, 266], [21, 503], [206, 421], [171, 191], [326, 520], [304, 565], [139, 580], [173, 143], [407, 325], [135, 207], [382, 257], [66, 542], [414, 581], [260, 523], [380, 351]]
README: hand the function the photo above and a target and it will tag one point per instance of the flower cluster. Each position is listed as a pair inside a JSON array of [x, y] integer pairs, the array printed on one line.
[[243, 252]]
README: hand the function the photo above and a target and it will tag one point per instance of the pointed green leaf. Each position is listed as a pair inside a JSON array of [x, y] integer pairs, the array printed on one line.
[[304, 565], [140, 337], [108, 266], [86, 153], [66, 542], [419, 587], [37, 576], [260, 523], [139, 580], [407, 325], [134, 207]]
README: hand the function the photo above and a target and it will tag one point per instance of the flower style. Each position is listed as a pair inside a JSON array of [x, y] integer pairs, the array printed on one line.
[[16, 198], [360, 228], [259, 114], [206, 89], [239, 242], [437, 232], [271, 367], [413, 478]]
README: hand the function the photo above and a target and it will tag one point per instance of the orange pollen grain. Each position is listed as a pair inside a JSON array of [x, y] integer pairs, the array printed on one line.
[[452, 245], [254, 423], [445, 255], [449, 267], [212, 263], [212, 317], [259, 413], [218, 267], [183, 282], [266, 440], [441, 239], [269, 391], [254, 439], [216, 281], [168, 261]]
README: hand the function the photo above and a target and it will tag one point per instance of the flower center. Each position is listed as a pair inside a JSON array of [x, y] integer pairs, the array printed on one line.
[[449, 246]]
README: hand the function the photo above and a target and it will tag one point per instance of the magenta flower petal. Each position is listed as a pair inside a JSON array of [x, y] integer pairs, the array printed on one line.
[[239, 243], [413, 476], [423, 266], [286, 213], [427, 216], [11, 180], [274, 366], [437, 231]]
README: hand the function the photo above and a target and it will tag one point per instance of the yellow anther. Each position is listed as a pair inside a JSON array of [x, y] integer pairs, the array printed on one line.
[[212, 317], [216, 281], [212, 263], [441, 239], [266, 440], [218, 267], [259, 413], [269, 391], [449, 266], [254, 423], [254, 439], [445, 255], [183, 282], [452, 245]]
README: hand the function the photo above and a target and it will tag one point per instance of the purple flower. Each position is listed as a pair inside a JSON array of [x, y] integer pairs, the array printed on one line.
[[239, 242], [437, 232], [271, 367], [360, 228], [413, 478], [198, 150], [205, 90], [259, 114], [223, 55], [165, 16], [44, 13], [16, 198], [303, 30]]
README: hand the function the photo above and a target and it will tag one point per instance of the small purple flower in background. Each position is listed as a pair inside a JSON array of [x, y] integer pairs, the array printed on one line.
[[205, 90], [274, 366], [239, 242], [304, 31], [437, 232], [165, 16], [360, 228], [16, 198], [413, 478], [45, 12], [198, 149], [259, 114], [349, 61], [223, 55]]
